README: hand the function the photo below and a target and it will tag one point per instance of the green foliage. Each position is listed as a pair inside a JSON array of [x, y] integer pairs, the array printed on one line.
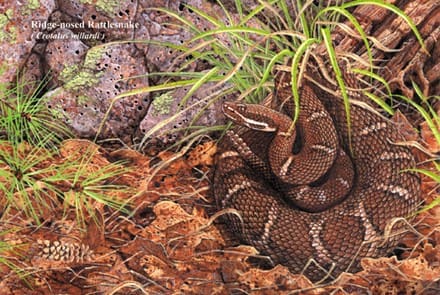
[[89, 185], [25, 179], [432, 119], [428, 113], [33, 178], [35, 181], [24, 115]]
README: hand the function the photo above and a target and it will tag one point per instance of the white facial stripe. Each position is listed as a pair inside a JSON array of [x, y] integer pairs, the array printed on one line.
[[248, 122], [263, 126], [252, 122]]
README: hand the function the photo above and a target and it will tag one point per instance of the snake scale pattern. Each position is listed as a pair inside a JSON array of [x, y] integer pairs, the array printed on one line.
[[319, 198]]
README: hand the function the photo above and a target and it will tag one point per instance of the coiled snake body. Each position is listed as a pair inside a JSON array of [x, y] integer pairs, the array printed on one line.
[[319, 198]]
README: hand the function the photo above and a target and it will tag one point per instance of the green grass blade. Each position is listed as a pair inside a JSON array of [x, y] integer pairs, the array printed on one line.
[[376, 77], [295, 69], [431, 118], [269, 67], [175, 15], [354, 22], [303, 20], [382, 104], [339, 78], [202, 80]]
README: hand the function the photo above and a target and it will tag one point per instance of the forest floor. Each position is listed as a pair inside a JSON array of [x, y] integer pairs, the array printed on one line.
[[171, 243]]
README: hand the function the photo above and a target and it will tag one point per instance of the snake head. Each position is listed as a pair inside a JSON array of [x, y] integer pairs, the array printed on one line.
[[249, 115]]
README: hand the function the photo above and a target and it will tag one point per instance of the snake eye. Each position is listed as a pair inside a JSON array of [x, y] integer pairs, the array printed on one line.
[[241, 108]]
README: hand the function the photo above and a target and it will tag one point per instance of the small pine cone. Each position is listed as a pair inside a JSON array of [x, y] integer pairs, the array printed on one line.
[[64, 251]]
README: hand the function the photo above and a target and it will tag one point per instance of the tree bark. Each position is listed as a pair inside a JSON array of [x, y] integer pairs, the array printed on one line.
[[396, 52]]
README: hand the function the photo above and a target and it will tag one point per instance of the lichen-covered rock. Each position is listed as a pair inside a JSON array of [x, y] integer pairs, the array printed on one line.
[[19, 27], [114, 19], [86, 99], [64, 56], [168, 116]]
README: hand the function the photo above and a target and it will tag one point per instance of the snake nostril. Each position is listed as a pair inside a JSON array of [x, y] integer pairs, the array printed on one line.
[[227, 107]]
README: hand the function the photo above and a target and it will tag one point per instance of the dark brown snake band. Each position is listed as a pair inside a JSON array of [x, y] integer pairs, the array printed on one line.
[[305, 198]]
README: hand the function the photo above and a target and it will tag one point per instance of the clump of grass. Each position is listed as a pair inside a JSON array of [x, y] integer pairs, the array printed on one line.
[[88, 187], [24, 178], [24, 115], [33, 178]]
